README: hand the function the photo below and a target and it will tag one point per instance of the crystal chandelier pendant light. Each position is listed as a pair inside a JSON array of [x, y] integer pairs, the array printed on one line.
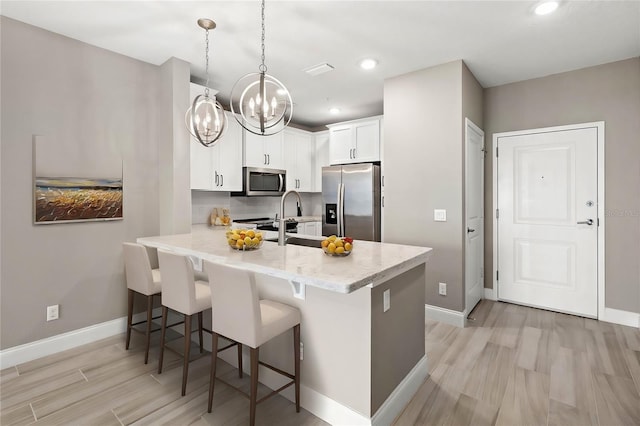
[[260, 102], [205, 117]]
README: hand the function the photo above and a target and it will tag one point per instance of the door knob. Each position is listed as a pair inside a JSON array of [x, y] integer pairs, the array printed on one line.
[[586, 222], [470, 230]]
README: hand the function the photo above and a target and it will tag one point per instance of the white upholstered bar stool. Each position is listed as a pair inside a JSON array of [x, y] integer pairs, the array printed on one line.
[[143, 280], [182, 293], [239, 315]]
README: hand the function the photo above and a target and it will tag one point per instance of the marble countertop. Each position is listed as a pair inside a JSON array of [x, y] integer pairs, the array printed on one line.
[[370, 263]]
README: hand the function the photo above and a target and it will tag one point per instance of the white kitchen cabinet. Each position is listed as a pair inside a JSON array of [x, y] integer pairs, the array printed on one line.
[[299, 159], [310, 228], [355, 141], [218, 168], [321, 158], [263, 151]]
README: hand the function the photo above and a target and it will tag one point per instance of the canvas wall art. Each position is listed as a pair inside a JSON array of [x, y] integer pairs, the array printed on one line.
[[70, 198], [74, 186]]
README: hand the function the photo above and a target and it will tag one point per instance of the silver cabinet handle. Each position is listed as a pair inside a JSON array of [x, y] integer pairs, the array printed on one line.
[[586, 222], [350, 153], [268, 158], [265, 159], [354, 153], [221, 180], [215, 180]]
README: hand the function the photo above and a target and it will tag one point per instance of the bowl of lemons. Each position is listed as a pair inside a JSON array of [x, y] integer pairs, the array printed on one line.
[[334, 246], [244, 239]]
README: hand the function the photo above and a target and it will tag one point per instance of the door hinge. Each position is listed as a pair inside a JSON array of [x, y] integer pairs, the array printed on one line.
[[496, 151], [497, 213], [497, 275]]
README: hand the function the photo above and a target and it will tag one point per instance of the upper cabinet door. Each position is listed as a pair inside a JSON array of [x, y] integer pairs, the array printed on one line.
[[321, 158], [273, 150], [367, 141], [341, 145], [263, 151], [304, 162], [229, 157], [355, 142], [202, 174], [299, 159]]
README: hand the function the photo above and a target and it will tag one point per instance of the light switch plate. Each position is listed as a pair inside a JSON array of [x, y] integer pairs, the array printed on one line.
[[439, 215]]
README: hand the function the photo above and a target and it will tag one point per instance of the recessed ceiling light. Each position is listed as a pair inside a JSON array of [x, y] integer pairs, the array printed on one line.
[[546, 7], [368, 64], [334, 110]]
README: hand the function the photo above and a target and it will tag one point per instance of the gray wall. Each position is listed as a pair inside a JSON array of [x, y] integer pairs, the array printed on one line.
[[423, 157], [609, 93], [93, 103]]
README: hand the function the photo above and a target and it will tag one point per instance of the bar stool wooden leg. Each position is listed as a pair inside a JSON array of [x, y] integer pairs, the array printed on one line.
[[148, 332], [239, 360], [200, 331], [254, 385], [296, 351], [130, 294], [165, 314], [214, 359], [187, 347]]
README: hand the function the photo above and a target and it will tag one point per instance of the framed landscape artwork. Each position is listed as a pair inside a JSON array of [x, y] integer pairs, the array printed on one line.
[[71, 199], [65, 193]]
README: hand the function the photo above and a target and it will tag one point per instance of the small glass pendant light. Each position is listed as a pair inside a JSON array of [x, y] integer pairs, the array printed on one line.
[[205, 118], [259, 101]]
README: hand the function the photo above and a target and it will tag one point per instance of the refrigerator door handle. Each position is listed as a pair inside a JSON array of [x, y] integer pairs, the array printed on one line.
[[341, 210]]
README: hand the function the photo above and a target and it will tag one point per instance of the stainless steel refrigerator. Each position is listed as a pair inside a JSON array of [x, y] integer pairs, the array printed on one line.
[[351, 201]]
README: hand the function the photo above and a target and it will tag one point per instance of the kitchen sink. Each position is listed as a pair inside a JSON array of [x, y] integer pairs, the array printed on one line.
[[307, 242], [299, 241]]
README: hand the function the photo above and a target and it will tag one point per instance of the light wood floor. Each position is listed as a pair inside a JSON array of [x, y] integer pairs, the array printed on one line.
[[513, 366], [524, 366]]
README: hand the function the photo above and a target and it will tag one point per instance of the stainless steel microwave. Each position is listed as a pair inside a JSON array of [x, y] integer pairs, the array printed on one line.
[[262, 182]]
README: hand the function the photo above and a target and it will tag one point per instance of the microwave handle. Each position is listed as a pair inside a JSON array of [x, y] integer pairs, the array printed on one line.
[[281, 182]]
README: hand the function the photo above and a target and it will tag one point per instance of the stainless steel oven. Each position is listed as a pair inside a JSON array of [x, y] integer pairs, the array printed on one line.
[[262, 182]]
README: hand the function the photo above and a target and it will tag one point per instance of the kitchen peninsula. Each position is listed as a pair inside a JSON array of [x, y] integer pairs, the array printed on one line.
[[363, 358]]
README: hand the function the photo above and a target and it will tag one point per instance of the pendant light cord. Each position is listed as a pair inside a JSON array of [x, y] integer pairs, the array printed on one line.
[[262, 67]]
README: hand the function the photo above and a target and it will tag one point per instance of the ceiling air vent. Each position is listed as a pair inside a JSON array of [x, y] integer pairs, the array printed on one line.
[[318, 69]]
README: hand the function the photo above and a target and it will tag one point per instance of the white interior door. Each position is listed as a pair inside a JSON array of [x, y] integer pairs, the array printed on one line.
[[547, 198], [474, 202]]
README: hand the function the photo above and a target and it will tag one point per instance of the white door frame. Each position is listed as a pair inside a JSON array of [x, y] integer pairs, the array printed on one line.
[[470, 124], [599, 125]]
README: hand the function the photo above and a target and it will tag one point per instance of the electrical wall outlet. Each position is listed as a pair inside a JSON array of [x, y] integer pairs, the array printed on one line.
[[386, 300], [442, 289], [439, 215], [53, 312]]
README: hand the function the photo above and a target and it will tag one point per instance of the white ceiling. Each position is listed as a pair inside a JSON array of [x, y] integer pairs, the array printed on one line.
[[500, 41]]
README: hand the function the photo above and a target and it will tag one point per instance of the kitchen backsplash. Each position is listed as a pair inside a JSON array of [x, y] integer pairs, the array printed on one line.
[[202, 202]]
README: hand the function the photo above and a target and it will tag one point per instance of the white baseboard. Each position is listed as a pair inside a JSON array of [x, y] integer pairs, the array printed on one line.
[[445, 315], [61, 342], [617, 316], [402, 394], [489, 294], [332, 411]]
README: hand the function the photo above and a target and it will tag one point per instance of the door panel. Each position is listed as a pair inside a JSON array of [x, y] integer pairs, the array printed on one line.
[[474, 196], [361, 201], [547, 183]]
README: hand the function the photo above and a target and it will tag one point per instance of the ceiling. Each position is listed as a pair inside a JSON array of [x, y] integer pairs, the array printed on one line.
[[500, 41]]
